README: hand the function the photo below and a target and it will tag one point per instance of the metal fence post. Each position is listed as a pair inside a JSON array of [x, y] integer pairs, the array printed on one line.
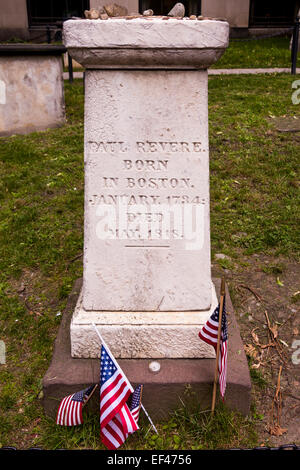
[[48, 34], [295, 45], [70, 68]]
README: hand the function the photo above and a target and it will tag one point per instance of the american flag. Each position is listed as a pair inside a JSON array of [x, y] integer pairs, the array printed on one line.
[[116, 420], [135, 403], [70, 409], [209, 334]]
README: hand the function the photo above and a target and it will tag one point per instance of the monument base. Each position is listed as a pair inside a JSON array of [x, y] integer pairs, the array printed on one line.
[[177, 381], [141, 335]]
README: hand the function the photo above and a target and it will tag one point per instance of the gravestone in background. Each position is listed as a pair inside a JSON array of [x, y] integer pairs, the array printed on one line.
[[31, 88]]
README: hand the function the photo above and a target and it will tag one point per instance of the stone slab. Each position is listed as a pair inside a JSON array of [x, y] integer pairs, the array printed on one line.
[[146, 42], [141, 334], [152, 32], [286, 124], [179, 380], [147, 234], [31, 93]]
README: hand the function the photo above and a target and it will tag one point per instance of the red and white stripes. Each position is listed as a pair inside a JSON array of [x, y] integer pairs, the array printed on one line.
[[69, 412], [113, 394], [114, 434]]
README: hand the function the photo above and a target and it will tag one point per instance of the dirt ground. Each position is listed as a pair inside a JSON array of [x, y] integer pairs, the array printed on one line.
[[265, 295]]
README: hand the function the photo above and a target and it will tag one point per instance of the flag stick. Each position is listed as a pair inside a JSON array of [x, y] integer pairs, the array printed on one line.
[[150, 420], [120, 370], [141, 397], [90, 396], [112, 356], [222, 295]]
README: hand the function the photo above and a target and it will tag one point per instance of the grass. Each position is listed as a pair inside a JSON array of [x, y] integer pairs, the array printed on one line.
[[257, 53], [185, 430], [254, 208], [254, 168]]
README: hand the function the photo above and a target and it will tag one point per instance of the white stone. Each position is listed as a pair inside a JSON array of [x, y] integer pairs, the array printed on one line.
[[178, 10], [142, 32], [147, 42], [151, 274], [146, 145], [141, 334], [154, 366], [31, 93]]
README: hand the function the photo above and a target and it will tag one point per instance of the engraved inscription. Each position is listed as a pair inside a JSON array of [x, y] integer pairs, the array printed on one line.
[[144, 147], [168, 147], [148, 198], [146, 165]]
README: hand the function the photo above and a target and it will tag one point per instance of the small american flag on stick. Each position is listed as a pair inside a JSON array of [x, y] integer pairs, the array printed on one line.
[[70, 409], [209, 334], [136, 401], [116, 420]]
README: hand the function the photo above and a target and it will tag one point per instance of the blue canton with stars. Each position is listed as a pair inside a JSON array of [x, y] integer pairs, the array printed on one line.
[[83, 394], [108, 367], [136, 397], [215, 317]]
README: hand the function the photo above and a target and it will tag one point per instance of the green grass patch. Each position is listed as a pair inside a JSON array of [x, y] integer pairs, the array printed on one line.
[[254, 168], [257, 53], [186, 429]]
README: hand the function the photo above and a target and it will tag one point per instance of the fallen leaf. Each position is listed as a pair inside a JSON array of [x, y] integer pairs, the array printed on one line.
[[279, 282], [277, 430], [255, 366], [250, 351], [274, 330], [255, 337]]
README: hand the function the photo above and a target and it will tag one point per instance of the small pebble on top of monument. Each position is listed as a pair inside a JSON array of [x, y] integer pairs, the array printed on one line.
[[178, 10], [114, 10], [147, 273]]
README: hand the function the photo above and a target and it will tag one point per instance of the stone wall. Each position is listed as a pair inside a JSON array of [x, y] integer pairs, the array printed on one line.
[[13, 20], [235, 11]]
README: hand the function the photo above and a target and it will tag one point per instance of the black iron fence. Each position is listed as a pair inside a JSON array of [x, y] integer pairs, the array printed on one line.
[[295, 45]]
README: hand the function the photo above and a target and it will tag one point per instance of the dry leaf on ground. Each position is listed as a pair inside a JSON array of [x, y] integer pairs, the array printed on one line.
[[250, 351], [276, 430]]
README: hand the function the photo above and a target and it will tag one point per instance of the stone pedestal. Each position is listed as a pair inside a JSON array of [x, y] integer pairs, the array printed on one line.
[[147, 281], [167, 386], [31, 88]]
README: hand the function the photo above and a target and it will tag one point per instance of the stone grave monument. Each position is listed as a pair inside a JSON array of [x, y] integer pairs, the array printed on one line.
[[31, 88], [147, 282]]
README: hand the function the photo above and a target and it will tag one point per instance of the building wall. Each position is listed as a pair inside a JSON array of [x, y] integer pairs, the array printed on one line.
[[235, 11], [13, 19]]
